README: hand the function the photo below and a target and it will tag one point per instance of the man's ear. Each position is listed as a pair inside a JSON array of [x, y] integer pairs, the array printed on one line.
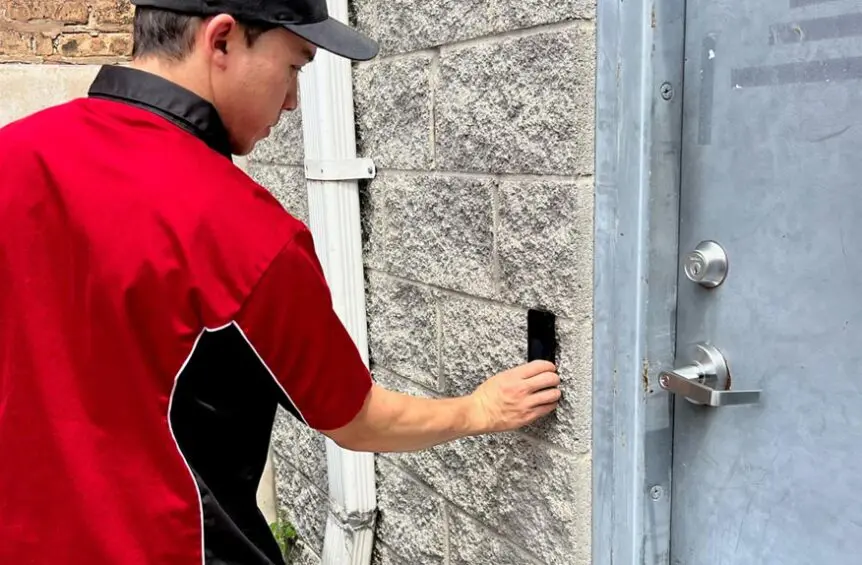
[[217, 35]]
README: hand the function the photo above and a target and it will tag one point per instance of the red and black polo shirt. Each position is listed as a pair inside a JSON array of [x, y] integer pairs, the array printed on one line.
[[156, 306]]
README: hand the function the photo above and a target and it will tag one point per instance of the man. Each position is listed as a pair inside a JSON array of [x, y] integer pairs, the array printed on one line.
[[158, 305]]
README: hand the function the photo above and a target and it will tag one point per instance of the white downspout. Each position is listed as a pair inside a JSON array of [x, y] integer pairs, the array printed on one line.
[[330, 144]]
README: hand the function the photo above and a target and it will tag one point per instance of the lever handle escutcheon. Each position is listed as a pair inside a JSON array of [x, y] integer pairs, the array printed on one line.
[[705, 380]]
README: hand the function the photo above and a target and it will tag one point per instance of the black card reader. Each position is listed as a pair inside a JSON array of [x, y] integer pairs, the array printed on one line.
[[541, 336]]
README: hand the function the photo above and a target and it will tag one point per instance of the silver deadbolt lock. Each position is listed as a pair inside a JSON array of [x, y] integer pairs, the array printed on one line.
[[706, 265]]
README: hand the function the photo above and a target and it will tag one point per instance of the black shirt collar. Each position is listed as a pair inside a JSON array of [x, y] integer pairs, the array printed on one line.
[[167, 99]]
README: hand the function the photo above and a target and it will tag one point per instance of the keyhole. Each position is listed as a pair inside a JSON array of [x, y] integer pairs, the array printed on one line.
[[695, 268]]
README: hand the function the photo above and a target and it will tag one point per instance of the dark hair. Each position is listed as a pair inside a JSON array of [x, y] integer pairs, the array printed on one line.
[[172, 34]]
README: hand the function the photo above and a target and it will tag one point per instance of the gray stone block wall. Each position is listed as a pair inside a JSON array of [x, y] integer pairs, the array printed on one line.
[[513, 105], [277, 164], [299, 460], [523, 499], [408, 26], [431, 228], [480, 118]]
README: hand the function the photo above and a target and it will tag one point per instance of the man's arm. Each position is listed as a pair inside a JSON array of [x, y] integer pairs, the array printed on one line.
[[289, 322], [394, 422]]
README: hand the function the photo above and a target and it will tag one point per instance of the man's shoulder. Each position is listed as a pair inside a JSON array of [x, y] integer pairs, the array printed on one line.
[[232, 191], [40, 119], [255, 210], [24, 139], [238, 213]]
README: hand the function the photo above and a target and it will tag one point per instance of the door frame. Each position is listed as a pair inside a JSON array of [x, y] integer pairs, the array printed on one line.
[[640, 53]]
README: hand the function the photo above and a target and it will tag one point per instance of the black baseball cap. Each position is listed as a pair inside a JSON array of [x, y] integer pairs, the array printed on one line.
[[308, 19]]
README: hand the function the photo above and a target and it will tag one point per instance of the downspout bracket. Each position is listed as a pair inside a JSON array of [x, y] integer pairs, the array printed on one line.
[[342, 169]]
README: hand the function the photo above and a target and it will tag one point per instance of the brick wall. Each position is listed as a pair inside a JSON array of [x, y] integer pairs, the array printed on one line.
[[74, 31], [480, 118]]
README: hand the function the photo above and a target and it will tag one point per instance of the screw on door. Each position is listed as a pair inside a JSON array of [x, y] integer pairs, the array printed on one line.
[[666, 90]]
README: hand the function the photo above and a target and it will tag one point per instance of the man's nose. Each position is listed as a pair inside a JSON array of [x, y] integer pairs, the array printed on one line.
[[291, 102]]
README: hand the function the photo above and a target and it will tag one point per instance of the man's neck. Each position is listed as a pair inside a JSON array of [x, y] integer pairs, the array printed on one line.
[[181, 73]]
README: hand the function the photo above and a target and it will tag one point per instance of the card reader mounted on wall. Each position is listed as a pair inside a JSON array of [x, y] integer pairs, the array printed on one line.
[[541, 336]]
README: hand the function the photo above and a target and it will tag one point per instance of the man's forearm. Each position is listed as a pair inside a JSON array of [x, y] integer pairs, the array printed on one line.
[[396, 422], [390, 421]]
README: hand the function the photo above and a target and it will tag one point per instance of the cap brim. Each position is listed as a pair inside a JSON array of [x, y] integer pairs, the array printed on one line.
[[337, 38]]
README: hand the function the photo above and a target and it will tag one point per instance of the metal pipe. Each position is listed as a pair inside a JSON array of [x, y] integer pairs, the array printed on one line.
[[326, 89]]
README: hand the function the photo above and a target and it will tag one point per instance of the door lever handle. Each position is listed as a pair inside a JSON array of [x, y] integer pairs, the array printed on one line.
[[706, 380]]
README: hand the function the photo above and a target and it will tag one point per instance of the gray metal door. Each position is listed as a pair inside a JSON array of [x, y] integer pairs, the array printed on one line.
[[772, 172]]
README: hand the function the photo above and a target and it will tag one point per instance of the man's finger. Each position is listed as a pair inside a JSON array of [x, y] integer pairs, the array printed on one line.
[[544, 380], [534, 368], [549, 396], [543, 410]]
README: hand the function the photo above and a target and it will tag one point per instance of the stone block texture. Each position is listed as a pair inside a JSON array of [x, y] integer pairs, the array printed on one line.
[[284, 146], [73, 31], [303, 447], [472, 542], [435, 229], [403, 324], [301, 503], [285, 182], [519, 105], [303, 555], [545, 245], [412, 516], [479, 116], [394, 109], [535, 496], [411, 25], [383, 555]]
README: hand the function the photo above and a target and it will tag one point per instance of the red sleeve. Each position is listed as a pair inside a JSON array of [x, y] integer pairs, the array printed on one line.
[[290, 322]]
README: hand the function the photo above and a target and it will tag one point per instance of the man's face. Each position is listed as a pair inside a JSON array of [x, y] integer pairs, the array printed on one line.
[[253, 84]]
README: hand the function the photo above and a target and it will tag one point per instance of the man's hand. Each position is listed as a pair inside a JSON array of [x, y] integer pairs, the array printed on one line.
[[517, 397]]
